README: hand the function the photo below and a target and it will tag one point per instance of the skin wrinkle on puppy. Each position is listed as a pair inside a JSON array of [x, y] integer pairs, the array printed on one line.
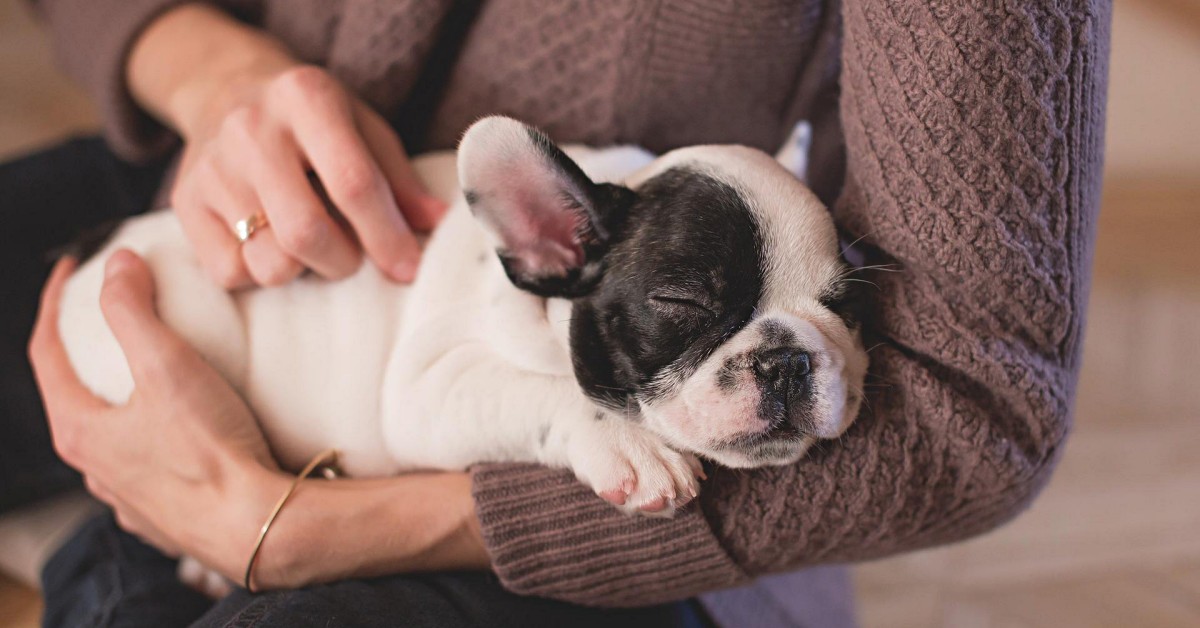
[[630, 343]]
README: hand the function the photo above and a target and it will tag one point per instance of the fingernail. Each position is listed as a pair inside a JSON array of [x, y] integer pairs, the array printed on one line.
[[437, 204], [405, 271], [115, 264]]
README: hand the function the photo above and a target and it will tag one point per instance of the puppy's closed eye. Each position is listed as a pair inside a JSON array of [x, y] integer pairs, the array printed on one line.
[[677, 306]]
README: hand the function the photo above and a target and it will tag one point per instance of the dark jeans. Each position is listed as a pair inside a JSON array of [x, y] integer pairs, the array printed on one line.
[[104, 577]]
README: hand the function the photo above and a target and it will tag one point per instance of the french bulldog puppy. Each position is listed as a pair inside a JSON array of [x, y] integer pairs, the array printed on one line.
[[601, 310]]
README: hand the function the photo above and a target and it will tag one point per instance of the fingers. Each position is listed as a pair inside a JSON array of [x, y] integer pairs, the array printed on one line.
[[216, 247], [300, 227], [218, 250], [233, 199], [259, 167], [327, 132], [127, 301], [422, 210], [257, 161]]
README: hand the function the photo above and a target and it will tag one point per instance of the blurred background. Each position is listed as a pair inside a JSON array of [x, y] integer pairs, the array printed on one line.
[[1115, 539]]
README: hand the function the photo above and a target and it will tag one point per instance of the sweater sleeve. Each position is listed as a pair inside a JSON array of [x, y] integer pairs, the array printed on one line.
[[973, 137], [92, 40]]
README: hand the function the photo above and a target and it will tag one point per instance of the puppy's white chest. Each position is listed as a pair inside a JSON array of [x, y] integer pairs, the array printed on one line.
[[317, 354]]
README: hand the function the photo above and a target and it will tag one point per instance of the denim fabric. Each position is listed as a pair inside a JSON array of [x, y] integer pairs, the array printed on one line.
[[105, 578]]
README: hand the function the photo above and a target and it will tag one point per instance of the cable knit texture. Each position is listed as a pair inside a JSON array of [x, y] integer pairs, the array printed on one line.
[[960, 140]]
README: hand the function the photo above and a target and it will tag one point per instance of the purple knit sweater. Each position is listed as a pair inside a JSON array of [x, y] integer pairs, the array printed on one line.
[[960, 140]]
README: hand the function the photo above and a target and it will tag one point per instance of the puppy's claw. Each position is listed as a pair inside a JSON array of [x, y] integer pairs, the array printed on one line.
[[655, 505]]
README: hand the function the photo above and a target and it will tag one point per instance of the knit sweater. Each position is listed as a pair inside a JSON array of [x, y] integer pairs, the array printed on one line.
[[959, 141]]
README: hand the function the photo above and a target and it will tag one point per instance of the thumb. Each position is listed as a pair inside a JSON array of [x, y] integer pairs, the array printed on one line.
[[127, 300]]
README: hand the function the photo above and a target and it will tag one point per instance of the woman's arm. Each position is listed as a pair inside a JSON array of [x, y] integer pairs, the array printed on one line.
[[974, 137], [92, 40], [193, 59], [363, 528]]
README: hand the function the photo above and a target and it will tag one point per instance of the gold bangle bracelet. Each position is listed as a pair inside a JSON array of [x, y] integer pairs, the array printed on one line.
[[327, 458]]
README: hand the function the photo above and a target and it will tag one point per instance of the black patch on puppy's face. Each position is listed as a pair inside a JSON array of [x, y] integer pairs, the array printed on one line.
[[682, 276]]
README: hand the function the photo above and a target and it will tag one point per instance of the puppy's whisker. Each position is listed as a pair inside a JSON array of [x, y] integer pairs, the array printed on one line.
[[856, 241], [887, 268], [870, 283]]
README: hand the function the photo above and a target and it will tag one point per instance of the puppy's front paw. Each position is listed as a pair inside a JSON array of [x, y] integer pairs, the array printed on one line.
[[634, 470]]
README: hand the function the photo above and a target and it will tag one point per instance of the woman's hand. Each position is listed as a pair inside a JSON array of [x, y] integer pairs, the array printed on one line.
[[255, 123], [183, 462], [185, 466]]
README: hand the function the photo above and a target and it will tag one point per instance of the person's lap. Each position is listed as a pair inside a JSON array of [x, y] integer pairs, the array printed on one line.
[[105, 577]]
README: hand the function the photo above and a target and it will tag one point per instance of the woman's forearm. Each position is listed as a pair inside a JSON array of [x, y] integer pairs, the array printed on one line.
[[368, 527], [191, 58]]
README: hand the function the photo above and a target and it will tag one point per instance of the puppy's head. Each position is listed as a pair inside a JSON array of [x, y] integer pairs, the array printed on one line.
[[709, 297]]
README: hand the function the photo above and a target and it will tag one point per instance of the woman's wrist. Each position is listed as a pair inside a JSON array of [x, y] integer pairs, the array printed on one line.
[[192, 62], [241, 496], [364, 528]]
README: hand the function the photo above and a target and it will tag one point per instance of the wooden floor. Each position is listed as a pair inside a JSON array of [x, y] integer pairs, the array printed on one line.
[[1115, 538]]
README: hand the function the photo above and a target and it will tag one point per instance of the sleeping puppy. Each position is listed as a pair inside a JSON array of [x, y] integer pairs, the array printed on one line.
[[603, 310]]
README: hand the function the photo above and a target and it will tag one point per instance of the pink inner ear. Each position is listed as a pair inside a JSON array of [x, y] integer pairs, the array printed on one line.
[[540, 231]]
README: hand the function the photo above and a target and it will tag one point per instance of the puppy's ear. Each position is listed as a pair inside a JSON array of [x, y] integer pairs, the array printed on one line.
[[552, 224]]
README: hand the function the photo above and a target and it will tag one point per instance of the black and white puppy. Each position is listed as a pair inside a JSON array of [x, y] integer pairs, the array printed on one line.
[[601, 310]]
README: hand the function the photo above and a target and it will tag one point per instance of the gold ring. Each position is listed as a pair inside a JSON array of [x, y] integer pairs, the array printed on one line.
[[244, 229]]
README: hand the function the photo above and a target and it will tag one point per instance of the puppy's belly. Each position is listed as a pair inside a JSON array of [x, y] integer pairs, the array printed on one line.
[[307, 357], [317, 353]]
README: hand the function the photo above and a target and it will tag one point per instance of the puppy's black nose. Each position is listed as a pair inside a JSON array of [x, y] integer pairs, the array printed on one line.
[[783, 371]]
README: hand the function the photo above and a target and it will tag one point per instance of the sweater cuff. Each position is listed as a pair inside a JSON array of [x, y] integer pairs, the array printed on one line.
[[550, 536], [92, 40]]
